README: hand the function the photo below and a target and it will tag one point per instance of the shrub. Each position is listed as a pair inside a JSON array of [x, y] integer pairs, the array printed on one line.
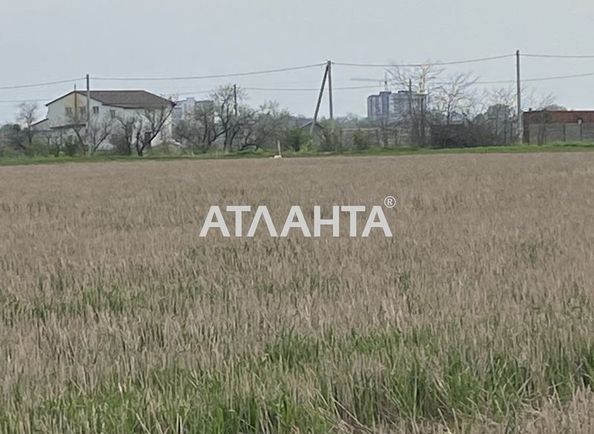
[[121, 145], [72, 147], [329, 141], [37, 149], [360, 140], [297, 138]]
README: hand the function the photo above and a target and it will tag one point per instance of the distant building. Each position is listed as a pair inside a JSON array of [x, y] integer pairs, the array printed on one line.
[[393, 106], [187, 107], [546, 126]]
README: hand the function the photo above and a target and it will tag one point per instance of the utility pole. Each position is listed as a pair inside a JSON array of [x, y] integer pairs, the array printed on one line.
[[88, 125], [75, 117], [315, 118], [422, 100], [413, 127], [519, 96], [410, 98], [235, 99], [330, 101]]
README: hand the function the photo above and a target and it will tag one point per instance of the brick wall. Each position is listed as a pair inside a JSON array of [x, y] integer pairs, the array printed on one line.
[[558, 126]]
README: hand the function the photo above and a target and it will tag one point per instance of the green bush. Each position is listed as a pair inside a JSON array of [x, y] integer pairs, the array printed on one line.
[[121, 145], [8, 152], [72, 147], [297, 138], [360, 140], [37, 149], [329, 141]]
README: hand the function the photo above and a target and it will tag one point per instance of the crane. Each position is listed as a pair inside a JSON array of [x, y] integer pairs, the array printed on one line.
[[384, 82]]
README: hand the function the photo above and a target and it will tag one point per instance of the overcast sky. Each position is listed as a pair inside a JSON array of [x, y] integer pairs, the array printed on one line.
[[48, 40]]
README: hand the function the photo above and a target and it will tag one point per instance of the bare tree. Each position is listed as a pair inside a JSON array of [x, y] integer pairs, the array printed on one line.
[[261, 128], [11, 135], [419, 77], [205, 114], [27, 116], [539, 103], [536, 101], [246, 129], [227, 101], [229, 120], [98, 131], [456, 95], [270, 125], [427, 86], [241, 129], [200, 128], [188, 132], [54, 142], [416, 81], [123, 133], [498, 115], [149, 125], [77, 123]]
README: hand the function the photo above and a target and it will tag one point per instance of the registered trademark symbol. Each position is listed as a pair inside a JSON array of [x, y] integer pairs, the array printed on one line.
[[390, 202]]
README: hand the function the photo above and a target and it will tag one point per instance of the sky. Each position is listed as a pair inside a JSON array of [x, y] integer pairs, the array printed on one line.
[[53, 40]]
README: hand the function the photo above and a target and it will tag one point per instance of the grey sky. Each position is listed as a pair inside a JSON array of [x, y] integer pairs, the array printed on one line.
[[46, 40]]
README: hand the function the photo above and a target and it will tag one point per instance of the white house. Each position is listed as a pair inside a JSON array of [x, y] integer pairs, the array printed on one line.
[[111, 110]]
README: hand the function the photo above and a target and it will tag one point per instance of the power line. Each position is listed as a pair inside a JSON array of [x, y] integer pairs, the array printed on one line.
[[536, 79], [302, 67], [511, 81], [411, 65], [560, 77], [560, 56], [496, 82], [19, 101], [203, 92], [205, 77], [188, 92], [302, 89], [265, 89], [47, 83]]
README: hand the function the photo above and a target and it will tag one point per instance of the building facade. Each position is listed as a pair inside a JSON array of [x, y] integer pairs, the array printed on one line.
[[393, 106]]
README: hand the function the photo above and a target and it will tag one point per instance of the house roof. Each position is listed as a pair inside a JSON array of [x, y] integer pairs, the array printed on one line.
[[130, 99]]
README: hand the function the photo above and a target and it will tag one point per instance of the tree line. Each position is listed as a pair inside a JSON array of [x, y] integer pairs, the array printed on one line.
[[450, 112]]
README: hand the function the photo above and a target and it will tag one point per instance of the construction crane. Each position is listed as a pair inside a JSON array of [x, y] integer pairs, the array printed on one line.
[[385, 82], [422, 88]]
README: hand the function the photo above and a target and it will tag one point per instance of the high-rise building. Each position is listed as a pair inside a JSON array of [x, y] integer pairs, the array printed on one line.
[[393, 106]]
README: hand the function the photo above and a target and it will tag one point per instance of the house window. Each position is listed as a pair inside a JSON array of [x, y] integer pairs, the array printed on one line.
[[112, 113], [82, 110], [95, 110], [68, 111]]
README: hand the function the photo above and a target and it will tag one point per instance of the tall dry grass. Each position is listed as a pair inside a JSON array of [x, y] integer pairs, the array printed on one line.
[[476, 317]]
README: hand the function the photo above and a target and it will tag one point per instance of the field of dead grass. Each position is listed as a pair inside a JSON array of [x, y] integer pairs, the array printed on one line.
[[477, 316]]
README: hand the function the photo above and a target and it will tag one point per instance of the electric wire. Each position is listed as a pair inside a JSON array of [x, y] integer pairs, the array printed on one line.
[[212, 76]]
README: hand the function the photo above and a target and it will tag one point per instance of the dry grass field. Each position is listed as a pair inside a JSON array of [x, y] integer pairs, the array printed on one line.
[[476, 317]]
